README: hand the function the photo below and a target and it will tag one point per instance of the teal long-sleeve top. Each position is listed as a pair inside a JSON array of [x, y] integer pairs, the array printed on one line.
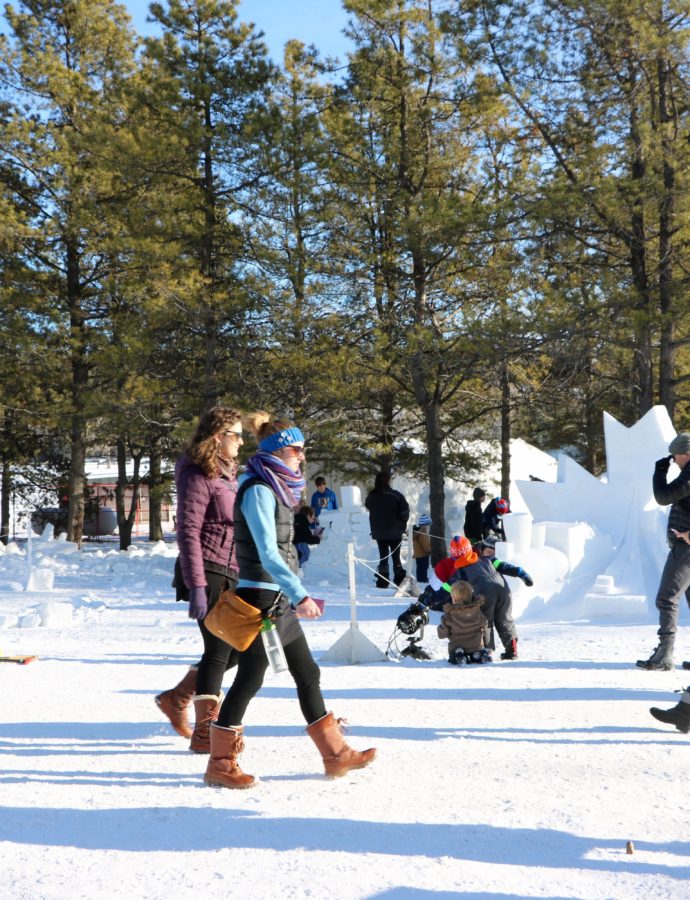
[[258, 505]]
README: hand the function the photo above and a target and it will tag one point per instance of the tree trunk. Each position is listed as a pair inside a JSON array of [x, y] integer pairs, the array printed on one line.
[[76, 484], [435, 471], [6, 489], [667, 353], [505, 430], [430, 406], [642, 340], [155, 494], [126, 518]]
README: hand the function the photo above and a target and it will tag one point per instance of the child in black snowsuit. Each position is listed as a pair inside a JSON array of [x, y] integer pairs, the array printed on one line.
[[492, 519], [465, 626]]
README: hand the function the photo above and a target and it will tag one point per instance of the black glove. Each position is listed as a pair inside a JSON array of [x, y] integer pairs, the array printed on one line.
[[525, 577], [663, 465], [427, 596]]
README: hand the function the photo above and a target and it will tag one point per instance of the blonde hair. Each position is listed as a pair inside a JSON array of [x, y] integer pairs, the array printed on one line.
[[461, 593], [263, 425], [203, 447]]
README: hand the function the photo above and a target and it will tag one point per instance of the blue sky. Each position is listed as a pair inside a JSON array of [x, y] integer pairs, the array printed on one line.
[[317, 22]]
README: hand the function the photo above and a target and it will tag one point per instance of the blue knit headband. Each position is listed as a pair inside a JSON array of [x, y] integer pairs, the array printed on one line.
[[285, 438]]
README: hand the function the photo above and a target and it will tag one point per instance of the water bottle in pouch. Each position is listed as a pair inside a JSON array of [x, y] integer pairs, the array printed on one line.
[[273, 647]]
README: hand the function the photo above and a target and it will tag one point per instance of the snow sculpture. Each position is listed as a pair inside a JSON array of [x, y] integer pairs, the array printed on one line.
[[614, 561]]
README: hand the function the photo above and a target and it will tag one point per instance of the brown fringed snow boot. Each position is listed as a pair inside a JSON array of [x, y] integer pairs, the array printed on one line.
[[338, 758], [223, 770], [174, 703], [206, 709]]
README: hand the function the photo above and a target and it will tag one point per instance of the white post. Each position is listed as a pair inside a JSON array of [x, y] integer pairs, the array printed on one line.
[[351, 582], [353, 647]]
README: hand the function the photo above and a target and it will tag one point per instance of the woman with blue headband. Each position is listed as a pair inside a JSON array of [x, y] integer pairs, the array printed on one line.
[[269, 490]]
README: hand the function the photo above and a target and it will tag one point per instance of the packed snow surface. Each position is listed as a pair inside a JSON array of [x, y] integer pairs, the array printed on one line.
[[515, 779]]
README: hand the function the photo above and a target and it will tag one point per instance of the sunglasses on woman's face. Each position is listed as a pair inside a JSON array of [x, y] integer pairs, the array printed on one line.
[[235, 435], [296, 450]]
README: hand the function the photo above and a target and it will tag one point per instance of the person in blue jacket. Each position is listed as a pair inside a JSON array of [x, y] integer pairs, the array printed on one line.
[[323, 497], [263, 517]]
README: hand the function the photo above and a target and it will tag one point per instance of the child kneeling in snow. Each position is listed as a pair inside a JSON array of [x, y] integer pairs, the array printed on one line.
[[465, 626]]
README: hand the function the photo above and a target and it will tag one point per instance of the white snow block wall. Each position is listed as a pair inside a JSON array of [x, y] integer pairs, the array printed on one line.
[[616, 559]]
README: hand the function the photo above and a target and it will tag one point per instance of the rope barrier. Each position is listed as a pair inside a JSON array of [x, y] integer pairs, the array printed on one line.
[[364, 562]]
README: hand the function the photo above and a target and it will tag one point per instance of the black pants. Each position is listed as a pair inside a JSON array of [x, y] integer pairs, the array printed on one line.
[[218, 656], [251, 669], [389, 549], [675, 580], [498, 609]]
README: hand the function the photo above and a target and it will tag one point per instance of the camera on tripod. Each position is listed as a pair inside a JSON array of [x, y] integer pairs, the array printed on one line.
[[415, 617], [413, 620]]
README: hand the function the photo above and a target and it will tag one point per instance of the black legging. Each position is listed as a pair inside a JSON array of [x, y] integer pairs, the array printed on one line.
[[251, 669], [218, 656]]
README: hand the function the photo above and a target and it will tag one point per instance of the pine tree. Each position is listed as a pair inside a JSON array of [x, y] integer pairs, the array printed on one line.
[[64, 69], [207, 77], [605, 86], [406, 163]]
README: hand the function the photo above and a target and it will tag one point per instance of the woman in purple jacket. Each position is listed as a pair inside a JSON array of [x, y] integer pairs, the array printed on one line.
[[206, 482]]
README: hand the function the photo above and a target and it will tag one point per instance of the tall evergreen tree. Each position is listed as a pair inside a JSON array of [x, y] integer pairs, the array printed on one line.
[[207, 77], [63, 69], [605, 86], [415, 213]]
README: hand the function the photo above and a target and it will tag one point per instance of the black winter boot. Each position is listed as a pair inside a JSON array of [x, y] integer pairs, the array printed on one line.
[[510, 651], [661, 659], [679, 715]]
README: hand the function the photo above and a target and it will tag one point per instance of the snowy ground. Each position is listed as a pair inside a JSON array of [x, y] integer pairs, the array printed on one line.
[[522, 779]]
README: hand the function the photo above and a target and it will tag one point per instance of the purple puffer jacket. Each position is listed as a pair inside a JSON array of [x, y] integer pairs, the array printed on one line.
[[204, 521]]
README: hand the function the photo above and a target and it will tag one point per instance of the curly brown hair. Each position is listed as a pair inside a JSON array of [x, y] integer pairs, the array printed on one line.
[[203, 447]]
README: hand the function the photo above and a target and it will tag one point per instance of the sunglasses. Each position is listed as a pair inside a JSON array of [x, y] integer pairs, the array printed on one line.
[[235, 435]]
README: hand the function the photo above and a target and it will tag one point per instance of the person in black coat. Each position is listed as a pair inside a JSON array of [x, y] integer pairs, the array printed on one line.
[[473, 515], [388, 515]]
